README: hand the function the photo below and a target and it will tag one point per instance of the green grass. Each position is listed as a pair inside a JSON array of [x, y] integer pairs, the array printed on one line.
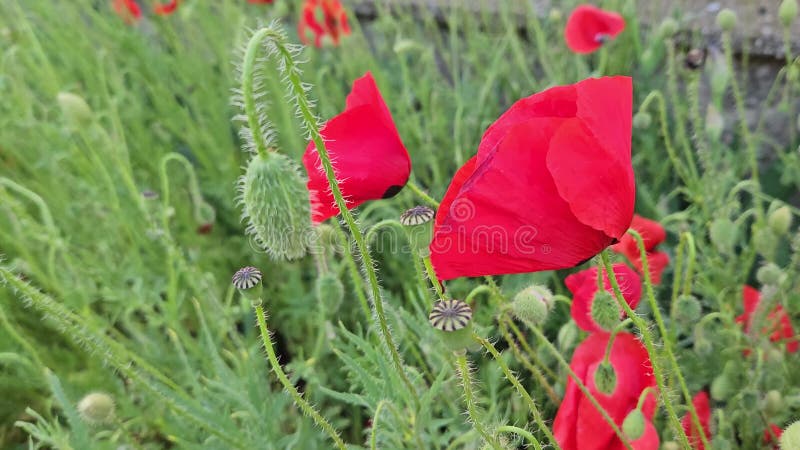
[[109, 290]]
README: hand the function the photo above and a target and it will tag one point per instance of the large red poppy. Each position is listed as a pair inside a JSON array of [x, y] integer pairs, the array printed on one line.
[[703, 407], [578, 425], [583, 286], [129, 10], [368, 156], [589, 27], [334, 21], [550, 187], [652, 234], [776, 324]]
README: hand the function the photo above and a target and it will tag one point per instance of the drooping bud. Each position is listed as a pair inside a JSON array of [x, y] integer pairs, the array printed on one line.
[[532, 304], [765, 241], [773, 403], [633, 425], [453, 320], [787, 12], [723, 234], [687, 309], [329, 290], [721, 387], [605, 378], [420, 232], [567, 335], [770, 274], [96, 408], [702, 346], [605, 310], [726, 20], [248, 281], [780, 220], [790, 439], [276, 206], [75, 109], [642, 120]]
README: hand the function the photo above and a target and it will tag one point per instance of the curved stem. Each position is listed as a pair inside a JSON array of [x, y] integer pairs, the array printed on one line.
[[248, 94], [524, 433], [422, 194], [296, 396], [469, 399]]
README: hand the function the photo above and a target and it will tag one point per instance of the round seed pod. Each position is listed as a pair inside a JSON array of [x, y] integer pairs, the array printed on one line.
[[726, 20], [248, 281], [420, 232], [96, 408], [787, 13], [453, 322], [276, 206]]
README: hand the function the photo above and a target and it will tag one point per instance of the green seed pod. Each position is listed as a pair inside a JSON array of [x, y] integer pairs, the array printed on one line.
[[247, 281], [723, 234], [726, 20], [453, 321], [605, 310], [96, 408], [770, 274], [790, 439], [420, 231], [633, 425], [567, 335], [642, 120], [605, 378], [721, 388], [329, 290], [687, 309], [276, 206], [780, 220], [668, 28], [532, 304], [773, 403], [75, 109], [787, 12]]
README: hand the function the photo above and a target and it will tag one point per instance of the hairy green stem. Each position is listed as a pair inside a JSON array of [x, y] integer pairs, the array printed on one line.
[[469, 399], [519, 431], [422, 194], [433, 278]]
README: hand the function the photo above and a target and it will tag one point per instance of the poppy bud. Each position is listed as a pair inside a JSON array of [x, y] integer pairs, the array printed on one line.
[[420, 230], [715, 123], [723, 234], [642, 120], [605, 310], [773, 403], [775, 356], [453, 322], [668, 28], [532, 304], [726, 20], [555, 15], [649, 60], [247, 281], [790, 439], [687, 309], [96, 408], [702, 346], [787, 12], [770, 274], [749, 400], [567, 335], [633, 425], [670, 445], [75, 109], [780, 220], [605, 378], [721, 387], [276, 205], [765, 242], [329, 290]]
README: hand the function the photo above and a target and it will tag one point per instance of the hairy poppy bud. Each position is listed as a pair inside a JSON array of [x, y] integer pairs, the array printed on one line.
[[555, 15], [329, 290], [770, 274], [687, 309], [787, 12], [721, 387], [633, 425], [723, 234], [605, 310], [642, 120], [453, 320], [715, 123], [790, 439], [780, 220], [668, 28], [765, 242], [605, 378], [75, 109], [567, 335], [276, 206], [96, 408], [773, 403], [726, 20], [532, 304], [702, 346]]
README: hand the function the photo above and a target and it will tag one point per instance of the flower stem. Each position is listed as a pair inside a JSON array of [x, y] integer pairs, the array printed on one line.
[[524, 433], [422, 194], [469, 399], [296, 396], [433, 278]]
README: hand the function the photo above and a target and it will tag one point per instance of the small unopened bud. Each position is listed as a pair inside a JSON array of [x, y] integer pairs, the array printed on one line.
[[723, 234], [96, 408], [453, 320], [605, 310], [787, 12], [702, 346], [780, 220], [670, 445], [555, 15], [633, 425], [687, 309], [329, 290], [75, 109], [668, 28], [532, 304], [775, 356], [715, 123], [765, 242], [567, 335], [790, 439], [770, 274], [773, 403], [642, 120], [721, 388], [726, 20], [605, 378]]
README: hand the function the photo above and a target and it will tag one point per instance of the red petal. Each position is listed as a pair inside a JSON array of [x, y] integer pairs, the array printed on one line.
[[583, 286], [129, 10], [703, 408], [459, 179], [587, 25], [370, 161], [166, 8], [750, 298], [768, 435]]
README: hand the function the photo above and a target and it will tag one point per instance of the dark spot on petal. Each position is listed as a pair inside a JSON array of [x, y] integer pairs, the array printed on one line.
[[392, 191]]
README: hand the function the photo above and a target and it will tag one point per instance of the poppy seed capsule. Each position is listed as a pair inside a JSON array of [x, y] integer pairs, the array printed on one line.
[[726, 20], [605, 379], [532, 304], [633, 425], [276, 206], [417, 223], [790, 439], [452, 319], [96, 408], [248, 281], [605, 310], [787, 12]]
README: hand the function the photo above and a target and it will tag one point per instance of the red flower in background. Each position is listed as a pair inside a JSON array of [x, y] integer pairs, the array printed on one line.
[[776, 324], [129, 10], [703, 408], [260, 2], [165, 9], [550, 187], [369, 158], [772, 436], [652, 234], [583, 286], [589, 27], [578, 425], [333, 23]]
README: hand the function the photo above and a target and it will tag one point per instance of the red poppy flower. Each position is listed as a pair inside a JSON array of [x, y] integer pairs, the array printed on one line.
[[652, 234], [589, 27], [578, 425], [772, 436], [369, 158], [583, 286], [777, 323], [703, 408], [333, 24], [129, 10], [165, 9], [551, 186]]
